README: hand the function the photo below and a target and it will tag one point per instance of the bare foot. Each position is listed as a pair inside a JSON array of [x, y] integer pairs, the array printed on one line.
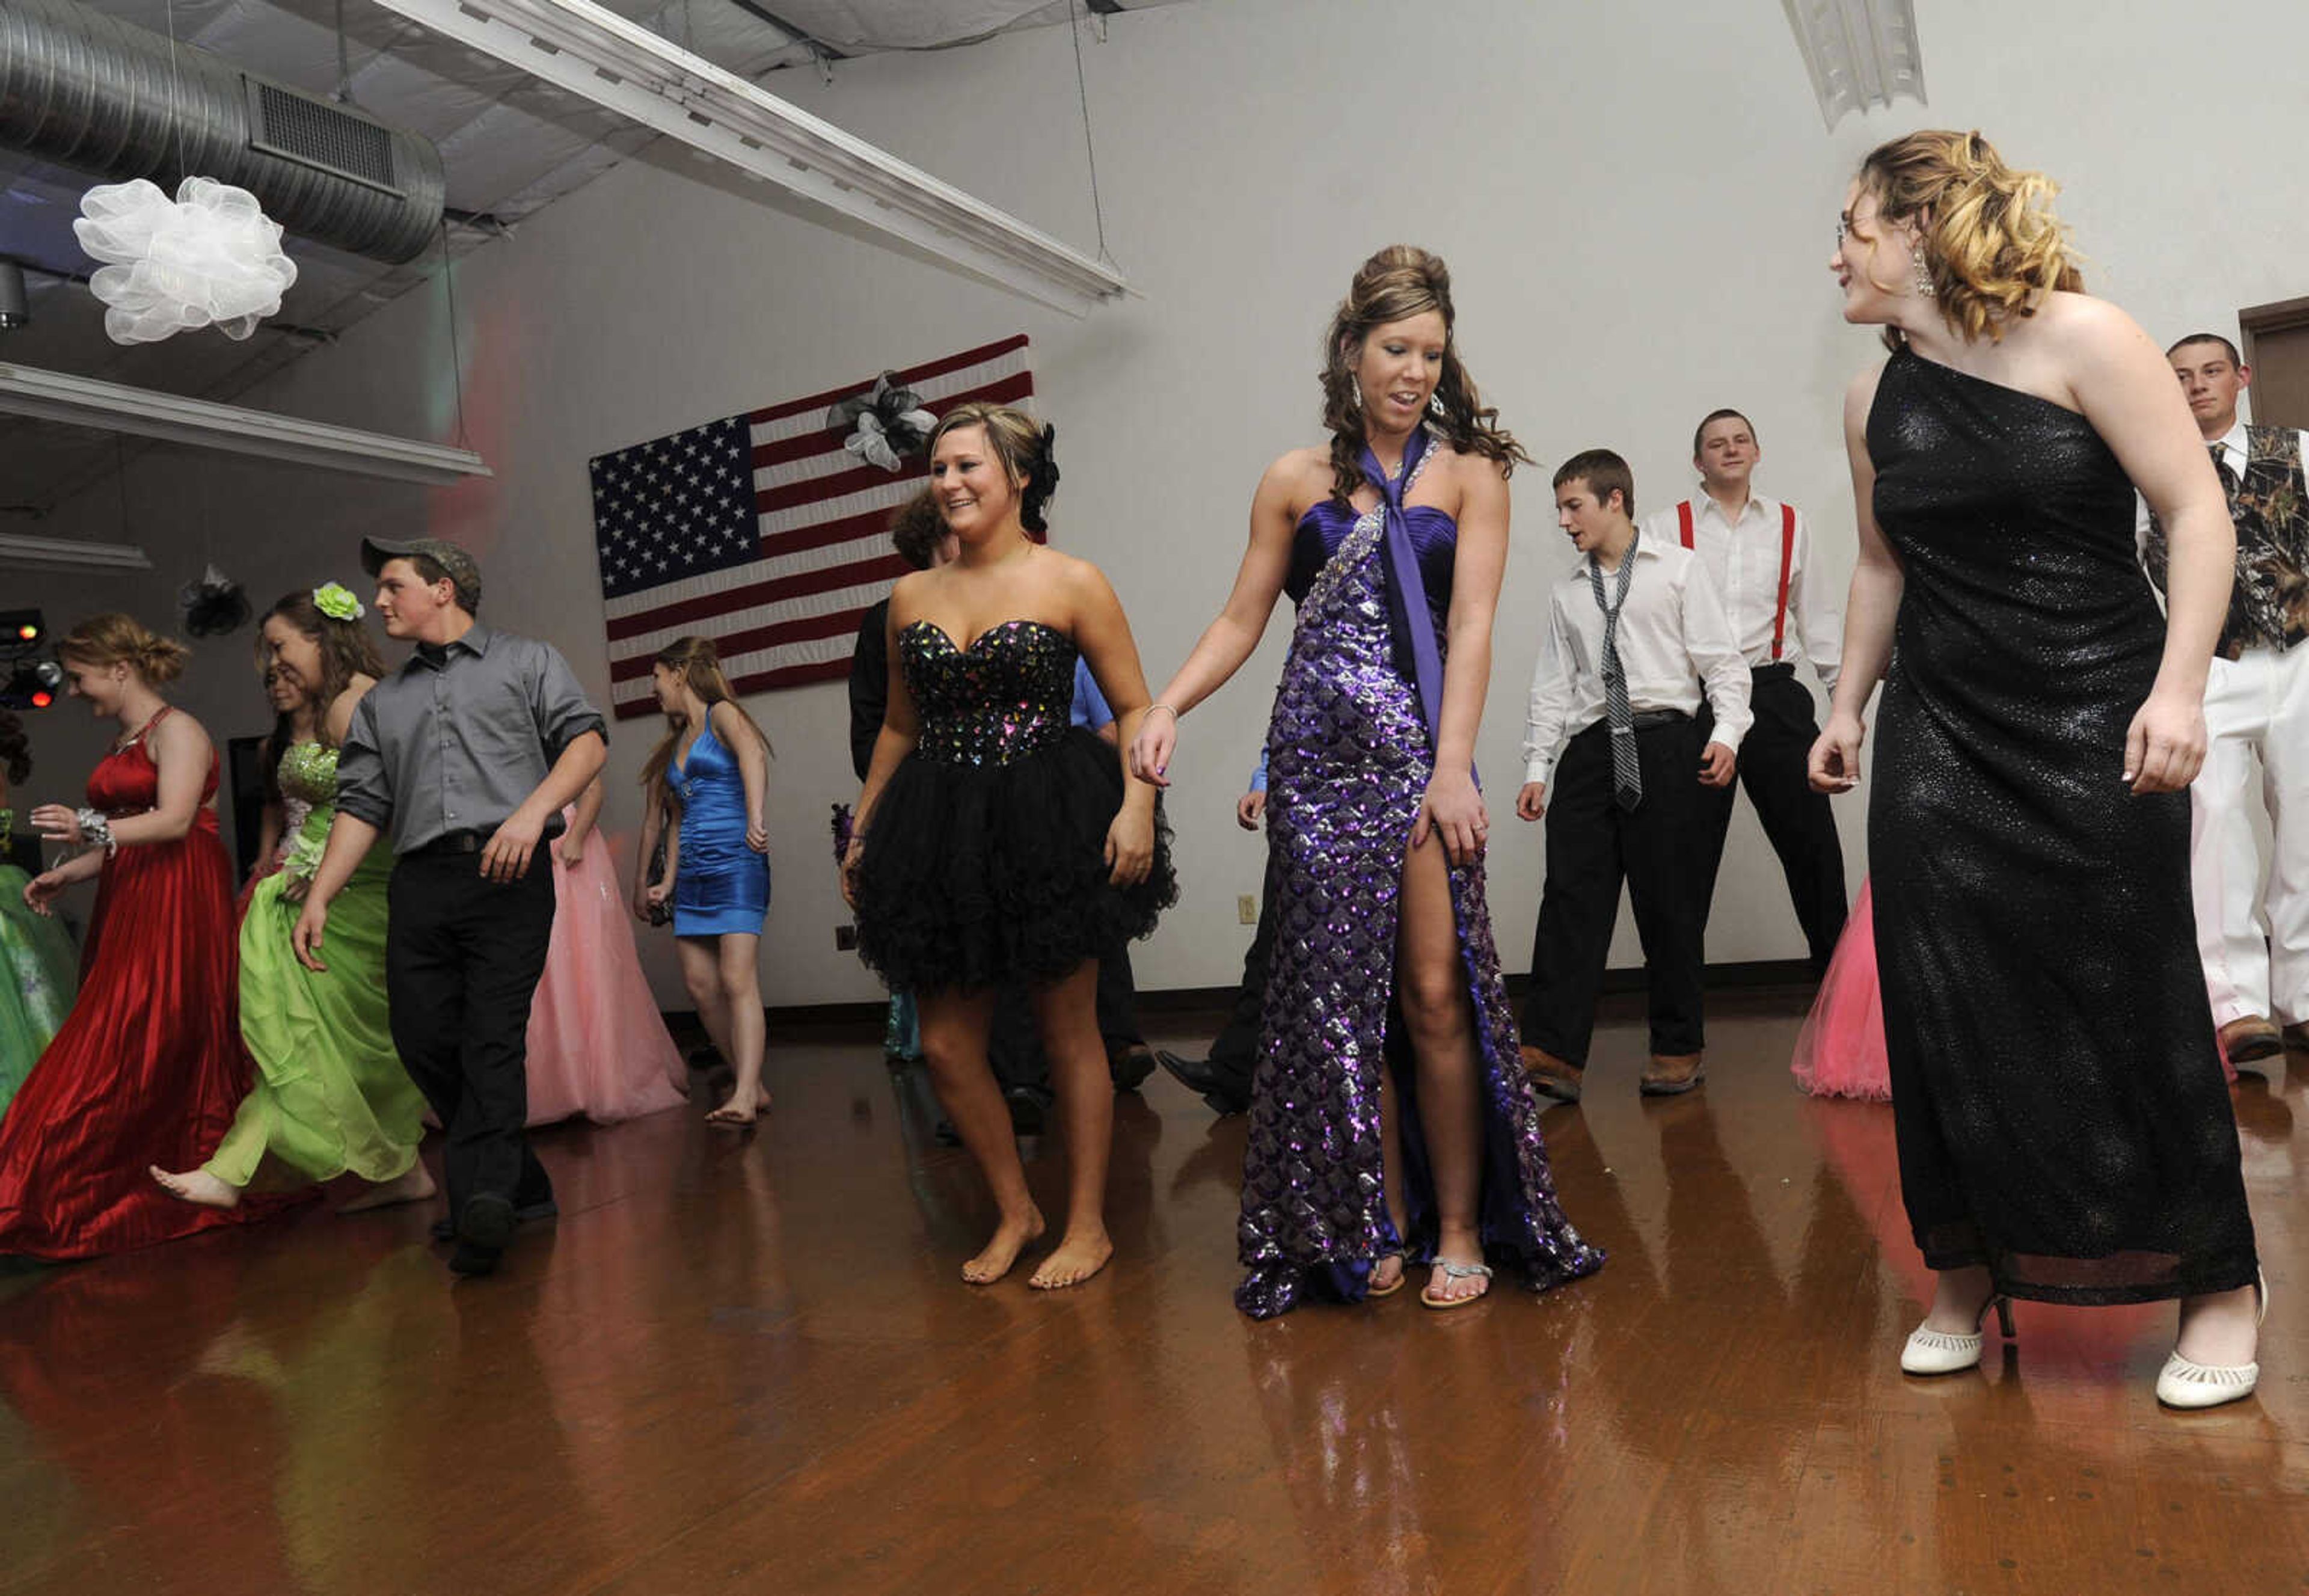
[[197, 1186], [1455, 1281], [1078, 1258], [413, 1186], [1385, 1276], [1010, 1239], [1959, 1300], [740, 1108]]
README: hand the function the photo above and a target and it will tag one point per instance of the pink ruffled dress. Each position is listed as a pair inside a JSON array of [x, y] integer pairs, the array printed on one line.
[[597, 1043], [1841, 1051]]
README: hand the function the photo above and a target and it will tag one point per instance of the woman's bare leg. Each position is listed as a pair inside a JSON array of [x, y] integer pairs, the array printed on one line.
[[1430, 983], [954, 1045], [1068, 1013], [738, 976]]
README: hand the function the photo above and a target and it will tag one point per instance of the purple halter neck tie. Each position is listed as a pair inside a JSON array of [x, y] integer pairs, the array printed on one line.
[[1410, 625]]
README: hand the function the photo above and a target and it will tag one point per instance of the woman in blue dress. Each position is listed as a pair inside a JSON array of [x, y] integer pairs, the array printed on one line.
[[713, 769]]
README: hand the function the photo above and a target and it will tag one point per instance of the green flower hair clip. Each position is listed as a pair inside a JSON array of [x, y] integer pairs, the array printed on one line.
[[336, 601]]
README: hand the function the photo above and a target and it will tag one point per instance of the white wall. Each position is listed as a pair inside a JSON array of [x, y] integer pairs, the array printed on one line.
[[1636, 202]]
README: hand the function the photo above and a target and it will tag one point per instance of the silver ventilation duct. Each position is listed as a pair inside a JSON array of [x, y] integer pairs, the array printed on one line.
[[85, 91]]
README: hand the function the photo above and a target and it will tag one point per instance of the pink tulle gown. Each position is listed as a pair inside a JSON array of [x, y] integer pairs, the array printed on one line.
[[1841, 1051], [597, 1044]]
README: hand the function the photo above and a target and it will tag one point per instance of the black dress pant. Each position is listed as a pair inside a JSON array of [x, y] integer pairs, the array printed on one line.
[[1798, 820], [1592, 847], [1234, 1056], [1014, 1042], [461, 961]]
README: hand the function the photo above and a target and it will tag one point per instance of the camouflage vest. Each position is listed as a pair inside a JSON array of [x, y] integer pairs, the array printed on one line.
[[2269, 607]]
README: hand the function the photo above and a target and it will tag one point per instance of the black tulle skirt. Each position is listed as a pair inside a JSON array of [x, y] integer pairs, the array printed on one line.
[[987, 875]]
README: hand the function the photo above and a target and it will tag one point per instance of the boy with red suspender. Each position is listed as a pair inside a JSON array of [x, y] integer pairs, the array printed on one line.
[[1759, 556]]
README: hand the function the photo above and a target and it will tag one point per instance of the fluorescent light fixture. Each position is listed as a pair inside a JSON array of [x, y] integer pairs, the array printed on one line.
[[109, 407], [58, 554], [1860, 53], [601, 57]]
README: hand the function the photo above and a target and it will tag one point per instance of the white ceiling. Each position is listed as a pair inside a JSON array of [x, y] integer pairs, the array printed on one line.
[[511, 145]]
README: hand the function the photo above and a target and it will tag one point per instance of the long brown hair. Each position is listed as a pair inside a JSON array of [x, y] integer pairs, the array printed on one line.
[[1992, 245], [346, 650], [699, 661], [1400, 282]]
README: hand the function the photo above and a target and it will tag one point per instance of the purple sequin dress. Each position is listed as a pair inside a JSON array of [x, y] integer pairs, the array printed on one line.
[[1349, 758]]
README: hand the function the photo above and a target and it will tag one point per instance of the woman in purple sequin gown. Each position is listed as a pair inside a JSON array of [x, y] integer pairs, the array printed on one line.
[[1390, 1120]]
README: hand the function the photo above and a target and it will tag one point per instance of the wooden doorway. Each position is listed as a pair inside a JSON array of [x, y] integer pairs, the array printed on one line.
[[2277, 348]]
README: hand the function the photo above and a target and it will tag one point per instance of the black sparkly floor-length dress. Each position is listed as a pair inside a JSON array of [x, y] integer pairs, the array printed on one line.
[[2061, 1110]]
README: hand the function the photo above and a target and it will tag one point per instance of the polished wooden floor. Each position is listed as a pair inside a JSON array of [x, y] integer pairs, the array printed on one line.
[[746, 1364]]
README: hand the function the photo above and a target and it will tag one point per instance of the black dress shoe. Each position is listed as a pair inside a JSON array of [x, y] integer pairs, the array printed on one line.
[[487, 1222], [526, 1213], [472, 1260], [1030, 1109], [1198, 1076], [1129, 1065]]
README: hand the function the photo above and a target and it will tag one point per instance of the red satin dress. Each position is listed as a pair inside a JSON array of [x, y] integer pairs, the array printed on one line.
[[149, 1066]]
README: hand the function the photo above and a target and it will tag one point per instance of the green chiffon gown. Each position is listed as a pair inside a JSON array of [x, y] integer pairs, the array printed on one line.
[[331, 1097], [39, 972]]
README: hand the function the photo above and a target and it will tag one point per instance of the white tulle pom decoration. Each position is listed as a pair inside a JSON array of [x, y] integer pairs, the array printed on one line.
[[207, 258]]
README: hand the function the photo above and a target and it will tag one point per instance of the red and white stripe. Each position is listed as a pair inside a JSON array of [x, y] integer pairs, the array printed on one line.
[[791, 616]]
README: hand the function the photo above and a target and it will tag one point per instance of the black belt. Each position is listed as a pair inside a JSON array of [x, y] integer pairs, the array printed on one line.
[[1643, 720], [451, 842], [1778, 667]]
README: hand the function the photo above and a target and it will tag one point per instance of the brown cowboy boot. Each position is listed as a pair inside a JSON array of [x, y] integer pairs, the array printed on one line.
[[1669, 1074], [1550, 1076]]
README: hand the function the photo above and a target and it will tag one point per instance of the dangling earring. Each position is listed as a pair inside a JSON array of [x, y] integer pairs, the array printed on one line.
[[1355, 387], [1923, 276]]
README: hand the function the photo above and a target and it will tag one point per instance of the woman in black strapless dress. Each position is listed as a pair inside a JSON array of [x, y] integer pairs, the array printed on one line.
[[997, 844], [2064, 1134]]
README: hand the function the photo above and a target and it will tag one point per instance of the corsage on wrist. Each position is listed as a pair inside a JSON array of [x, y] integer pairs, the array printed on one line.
[[96, 830], [304, 860]]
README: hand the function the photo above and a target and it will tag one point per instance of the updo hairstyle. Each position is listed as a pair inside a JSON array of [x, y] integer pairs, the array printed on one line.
[[1990, 243]]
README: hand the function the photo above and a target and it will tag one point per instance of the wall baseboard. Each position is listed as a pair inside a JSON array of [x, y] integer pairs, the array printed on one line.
[[1792, 976]]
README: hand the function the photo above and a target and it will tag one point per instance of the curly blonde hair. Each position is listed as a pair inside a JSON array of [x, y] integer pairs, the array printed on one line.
[[114, 638], [1990, 243]]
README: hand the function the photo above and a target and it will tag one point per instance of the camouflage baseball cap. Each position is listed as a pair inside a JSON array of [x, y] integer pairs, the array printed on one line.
[[463, 573]]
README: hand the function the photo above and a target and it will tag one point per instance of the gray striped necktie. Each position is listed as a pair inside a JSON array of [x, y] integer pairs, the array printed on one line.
[[1627, 775]]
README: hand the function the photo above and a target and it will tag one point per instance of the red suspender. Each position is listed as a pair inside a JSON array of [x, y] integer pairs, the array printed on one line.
[[1683, 520], [1787, 559]]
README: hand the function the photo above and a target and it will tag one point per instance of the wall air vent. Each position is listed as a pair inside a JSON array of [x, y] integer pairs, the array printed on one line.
[[315, 133]]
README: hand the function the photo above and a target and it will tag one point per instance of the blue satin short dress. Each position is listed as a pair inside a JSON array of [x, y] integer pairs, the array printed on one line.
[[720, 885]]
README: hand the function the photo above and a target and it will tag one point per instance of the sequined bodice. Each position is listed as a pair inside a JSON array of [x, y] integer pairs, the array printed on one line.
[[1327, 523], [1007, 695], [308, 774]]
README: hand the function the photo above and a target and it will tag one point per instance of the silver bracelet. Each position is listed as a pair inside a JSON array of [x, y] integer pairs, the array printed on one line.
[[1166, 709], [96, 829]]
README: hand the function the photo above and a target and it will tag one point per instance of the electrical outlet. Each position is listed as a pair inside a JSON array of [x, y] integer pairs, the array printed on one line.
[[1246, 909], [845, 938]]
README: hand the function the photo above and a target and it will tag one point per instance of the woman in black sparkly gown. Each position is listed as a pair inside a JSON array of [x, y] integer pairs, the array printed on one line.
[[2064, 1134], [996, 844]]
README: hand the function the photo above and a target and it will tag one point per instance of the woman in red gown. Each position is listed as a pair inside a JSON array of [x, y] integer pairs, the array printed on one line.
[[149, 1066]]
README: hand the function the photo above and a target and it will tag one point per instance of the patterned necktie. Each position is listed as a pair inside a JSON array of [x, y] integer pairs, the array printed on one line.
[[1627, 775], [2228, 478]]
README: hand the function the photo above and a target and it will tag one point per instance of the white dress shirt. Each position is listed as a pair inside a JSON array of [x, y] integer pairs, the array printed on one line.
[[1743, 561], [1673, 636]]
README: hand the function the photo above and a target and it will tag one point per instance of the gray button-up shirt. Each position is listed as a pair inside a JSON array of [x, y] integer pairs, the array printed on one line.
[[458, 738]]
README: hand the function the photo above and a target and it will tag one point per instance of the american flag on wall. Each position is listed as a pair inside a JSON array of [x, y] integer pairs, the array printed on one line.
[[762, 532]]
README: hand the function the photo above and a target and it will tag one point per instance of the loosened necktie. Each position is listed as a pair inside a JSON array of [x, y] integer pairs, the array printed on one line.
[[1627, 774]]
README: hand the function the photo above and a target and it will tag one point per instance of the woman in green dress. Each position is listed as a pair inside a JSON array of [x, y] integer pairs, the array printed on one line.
[[331, 1097], [39, 969]]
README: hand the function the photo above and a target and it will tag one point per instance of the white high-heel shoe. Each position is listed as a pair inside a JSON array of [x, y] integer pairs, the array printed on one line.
[[2182, 1384], [1936, 1352]]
